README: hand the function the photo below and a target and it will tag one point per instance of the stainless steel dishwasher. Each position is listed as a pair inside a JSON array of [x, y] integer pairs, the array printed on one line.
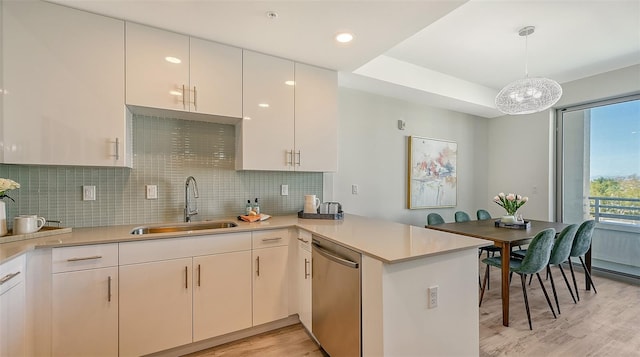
[[336, 297]]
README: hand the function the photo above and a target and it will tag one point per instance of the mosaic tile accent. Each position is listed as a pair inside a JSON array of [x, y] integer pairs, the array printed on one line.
[[165, 152]]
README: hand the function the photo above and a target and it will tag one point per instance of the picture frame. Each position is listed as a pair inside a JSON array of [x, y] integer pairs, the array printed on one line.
[[431, 173]]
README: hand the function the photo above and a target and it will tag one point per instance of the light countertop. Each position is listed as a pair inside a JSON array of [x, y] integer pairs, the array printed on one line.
[[386, 241]]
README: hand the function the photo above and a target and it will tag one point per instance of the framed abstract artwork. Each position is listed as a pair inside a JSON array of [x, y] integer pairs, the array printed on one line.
[[431, 173]]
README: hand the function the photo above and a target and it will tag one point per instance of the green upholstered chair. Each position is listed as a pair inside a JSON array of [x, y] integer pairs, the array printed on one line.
[[581, 245], [483, 215], [559, 254], [461, 216], [434, 218], [534, 261]]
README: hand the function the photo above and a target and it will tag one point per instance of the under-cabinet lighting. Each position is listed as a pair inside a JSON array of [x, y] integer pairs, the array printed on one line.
[[263, 105], [290, 83], [247, 118], [175, 92], [172, 60]]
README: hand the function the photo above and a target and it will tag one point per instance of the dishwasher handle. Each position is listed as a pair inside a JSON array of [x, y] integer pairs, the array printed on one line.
[[327, 254]]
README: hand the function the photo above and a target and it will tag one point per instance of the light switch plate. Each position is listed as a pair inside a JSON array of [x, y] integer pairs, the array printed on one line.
[[284, 190], [151, 192], [88, 193]]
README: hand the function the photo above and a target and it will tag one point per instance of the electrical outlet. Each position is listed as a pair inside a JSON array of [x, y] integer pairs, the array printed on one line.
[[88, 193], [284, 190], [354, 189], [151, 192], [433, 296]]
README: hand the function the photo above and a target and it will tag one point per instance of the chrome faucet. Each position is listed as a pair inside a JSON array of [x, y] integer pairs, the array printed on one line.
[[188, 211]]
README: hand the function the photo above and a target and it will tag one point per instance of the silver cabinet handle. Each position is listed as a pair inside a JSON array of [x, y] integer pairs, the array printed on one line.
[[84, 258], [109, 289], [289, 158], [306, 269], [299, 158], [303, 240], [184, 105], [271, 239], [195, 98], [117, 143], [199, 274], [258, 265], [8, 277]]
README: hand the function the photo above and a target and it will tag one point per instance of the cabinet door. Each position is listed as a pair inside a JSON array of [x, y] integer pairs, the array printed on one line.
[[270, 284], [85, 313], [316, 119], [12, 321], [304, 285], [216, 78], [64, 77], [222, 294], [266, 131], [157, 68], [155, 306]]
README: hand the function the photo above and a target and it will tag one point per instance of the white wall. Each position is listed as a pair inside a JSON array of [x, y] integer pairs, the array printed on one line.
[[522, 148], [372, 153]]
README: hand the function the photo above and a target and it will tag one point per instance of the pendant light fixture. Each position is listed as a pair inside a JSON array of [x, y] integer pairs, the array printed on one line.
[[528, 95]]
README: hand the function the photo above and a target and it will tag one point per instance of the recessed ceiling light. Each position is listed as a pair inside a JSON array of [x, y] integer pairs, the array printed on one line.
[[271, 15], [263, 105], [344, 37], [290, 83], [172, 60]]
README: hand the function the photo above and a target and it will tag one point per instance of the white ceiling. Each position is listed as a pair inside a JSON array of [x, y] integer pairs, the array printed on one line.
[[452, 54]]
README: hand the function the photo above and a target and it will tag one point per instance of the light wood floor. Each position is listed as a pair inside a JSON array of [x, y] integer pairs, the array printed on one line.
[[603, 324]]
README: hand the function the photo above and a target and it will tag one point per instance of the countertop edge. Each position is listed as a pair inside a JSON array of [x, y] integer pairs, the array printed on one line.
[[120, 234]]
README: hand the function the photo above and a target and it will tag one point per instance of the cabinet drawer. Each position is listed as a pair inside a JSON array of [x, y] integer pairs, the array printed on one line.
[[12, 273], [270, 238], [304, 240], [84, 257], [174, 248]]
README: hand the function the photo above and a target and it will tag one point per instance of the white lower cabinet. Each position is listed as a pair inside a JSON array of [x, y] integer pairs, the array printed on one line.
[[155, 306], [12, 308], [84, 297], [85, 313], [303, 278], [270, 276], [222, 294]]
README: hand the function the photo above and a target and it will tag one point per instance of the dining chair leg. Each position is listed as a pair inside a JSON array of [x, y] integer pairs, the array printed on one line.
[[588, 274], [484, 284], [546, 296], [553, 287], [523, 279], [566, 281], [573, 276]]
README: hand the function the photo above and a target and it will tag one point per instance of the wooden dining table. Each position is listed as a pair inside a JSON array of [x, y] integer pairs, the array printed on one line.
[[504, 238]]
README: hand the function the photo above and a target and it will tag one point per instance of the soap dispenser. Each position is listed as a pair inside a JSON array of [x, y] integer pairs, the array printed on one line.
[[247, 208], [256, 206]]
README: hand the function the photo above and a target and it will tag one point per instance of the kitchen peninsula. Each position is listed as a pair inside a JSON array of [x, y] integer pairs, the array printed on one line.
[[399, 264]]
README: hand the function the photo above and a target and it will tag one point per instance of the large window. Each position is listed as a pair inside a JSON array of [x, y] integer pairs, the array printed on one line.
[[599, 178]]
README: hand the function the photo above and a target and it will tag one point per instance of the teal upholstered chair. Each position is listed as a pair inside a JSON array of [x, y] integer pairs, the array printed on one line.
[[483, 215], [461, 216], [536, 259], [559, 254], [434, 218], [581, 245]]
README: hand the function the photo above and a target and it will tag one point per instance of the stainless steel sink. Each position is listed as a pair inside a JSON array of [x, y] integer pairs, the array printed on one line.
[[183, 227]]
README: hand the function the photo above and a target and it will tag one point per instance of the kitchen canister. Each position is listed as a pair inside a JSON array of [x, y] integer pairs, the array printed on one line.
[[3, 219]]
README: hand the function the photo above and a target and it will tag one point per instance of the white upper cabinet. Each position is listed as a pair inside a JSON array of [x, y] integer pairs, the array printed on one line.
[[290, 116], [167, 70], [63, 74], [265, 137], [316, 112], [157, 68]]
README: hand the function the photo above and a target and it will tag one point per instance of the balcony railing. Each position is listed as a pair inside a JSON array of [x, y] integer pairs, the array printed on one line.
[[615, 210]]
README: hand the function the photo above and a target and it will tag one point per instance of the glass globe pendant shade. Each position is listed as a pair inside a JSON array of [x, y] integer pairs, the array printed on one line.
[[528, 95]]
